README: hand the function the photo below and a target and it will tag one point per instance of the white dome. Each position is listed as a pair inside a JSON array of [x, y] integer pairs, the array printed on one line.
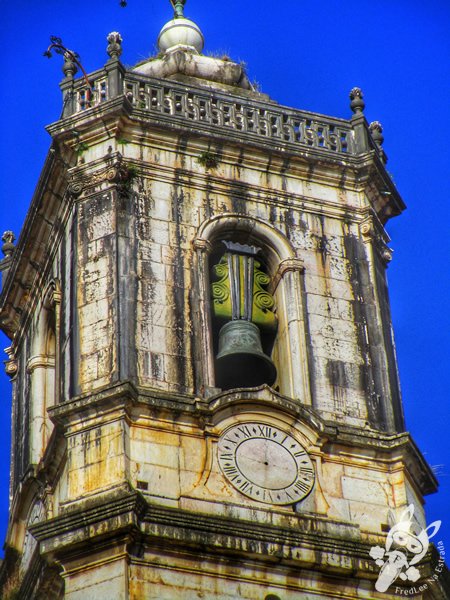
[[180, 32]]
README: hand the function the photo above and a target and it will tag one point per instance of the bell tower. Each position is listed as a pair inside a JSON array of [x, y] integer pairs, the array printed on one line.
[[205, 395]]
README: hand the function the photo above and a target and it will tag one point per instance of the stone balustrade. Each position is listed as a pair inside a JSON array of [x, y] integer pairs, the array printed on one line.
[[234, 115]]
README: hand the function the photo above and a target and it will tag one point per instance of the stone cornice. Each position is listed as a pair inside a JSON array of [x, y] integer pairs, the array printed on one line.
[[302, 541], [397, 446], [257, 193], [354, 172], [120, 397], [335, 167], [261, 396], [44, 225], [307, 540], [125, 400], [123, 508], [92, 119]]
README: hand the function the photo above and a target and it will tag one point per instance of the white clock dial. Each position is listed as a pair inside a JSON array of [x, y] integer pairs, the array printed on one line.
[[265, 463]]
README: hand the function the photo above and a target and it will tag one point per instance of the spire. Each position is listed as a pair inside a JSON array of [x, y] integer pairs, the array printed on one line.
[[178, 7]]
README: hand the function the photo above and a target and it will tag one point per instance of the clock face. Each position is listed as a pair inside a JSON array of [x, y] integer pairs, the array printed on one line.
[[265, 463]]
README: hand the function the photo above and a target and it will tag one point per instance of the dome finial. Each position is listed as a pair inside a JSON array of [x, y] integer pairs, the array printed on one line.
[[180, 32], [178, 7]]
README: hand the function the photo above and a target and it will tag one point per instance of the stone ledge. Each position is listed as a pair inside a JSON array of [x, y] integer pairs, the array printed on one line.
[[260, 395], [129, 398], [119, 396], [90, 519], [317, 540], [403, 443], [329, 546]]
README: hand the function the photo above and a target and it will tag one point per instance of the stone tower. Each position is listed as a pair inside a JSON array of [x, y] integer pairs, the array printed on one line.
[[205, 394]]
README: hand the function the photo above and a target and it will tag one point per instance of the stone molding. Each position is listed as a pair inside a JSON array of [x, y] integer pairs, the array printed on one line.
[[401, 444], [286, 265], [202, 245], [35, 252], [375, 233], [129, 512], [304, 541], [116, 172], [130, 400], [11, 365], [263, 395], [40, 361], [53, 294], [271, 238]]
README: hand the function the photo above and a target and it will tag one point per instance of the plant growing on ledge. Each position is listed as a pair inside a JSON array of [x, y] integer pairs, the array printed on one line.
[[208, 159], [122, 142], [132, 172], [128, 174], [81, 147]]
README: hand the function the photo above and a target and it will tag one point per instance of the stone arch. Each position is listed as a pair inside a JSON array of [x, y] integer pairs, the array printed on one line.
[[285, 271], [28, 492], [42, 368]]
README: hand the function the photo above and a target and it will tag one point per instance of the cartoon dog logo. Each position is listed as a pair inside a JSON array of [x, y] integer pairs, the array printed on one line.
[[403, 550]]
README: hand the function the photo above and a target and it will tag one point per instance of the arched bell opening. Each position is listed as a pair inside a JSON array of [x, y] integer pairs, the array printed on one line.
[[286, 347], [244, 320]]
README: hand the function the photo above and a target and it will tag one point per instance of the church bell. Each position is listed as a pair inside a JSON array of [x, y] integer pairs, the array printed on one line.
[[240, 297], [241, 361]]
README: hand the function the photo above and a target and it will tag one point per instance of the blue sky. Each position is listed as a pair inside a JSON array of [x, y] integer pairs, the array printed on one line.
[[303, 54]]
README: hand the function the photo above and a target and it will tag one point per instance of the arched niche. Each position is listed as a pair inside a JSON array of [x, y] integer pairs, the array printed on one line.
[[42, 369], [285, 271]]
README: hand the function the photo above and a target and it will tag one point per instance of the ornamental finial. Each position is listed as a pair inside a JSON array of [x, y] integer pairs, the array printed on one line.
[[180, 32], [114, 48], [376, 129], [8, 247], [357, 103], [69, 67], [71, 60], [178, 7]]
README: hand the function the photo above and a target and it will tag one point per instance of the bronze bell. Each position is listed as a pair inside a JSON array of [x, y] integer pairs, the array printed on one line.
[[241, 361]]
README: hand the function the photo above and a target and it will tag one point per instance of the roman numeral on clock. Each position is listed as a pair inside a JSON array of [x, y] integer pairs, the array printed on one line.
[[265, 431], [306, 471], [246, 487], [300, 486], [226, 456], [245, 431], [300, 453], [230, 471], [231, 441]]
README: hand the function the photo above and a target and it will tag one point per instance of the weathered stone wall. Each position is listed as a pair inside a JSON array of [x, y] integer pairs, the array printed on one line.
[[97, 298], [135, 275], [168, 451], [127, 268]]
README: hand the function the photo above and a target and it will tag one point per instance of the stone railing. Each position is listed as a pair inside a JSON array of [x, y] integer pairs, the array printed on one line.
[[171, 102], [246, 116]]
